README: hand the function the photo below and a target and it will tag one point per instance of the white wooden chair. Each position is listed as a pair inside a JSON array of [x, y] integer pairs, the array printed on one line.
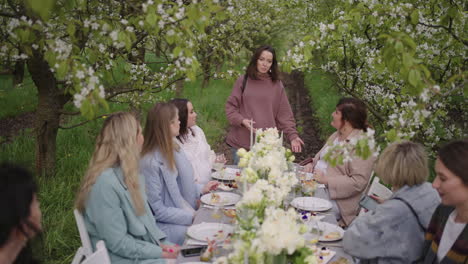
[[100, 256], [377, 189], [86, 249]]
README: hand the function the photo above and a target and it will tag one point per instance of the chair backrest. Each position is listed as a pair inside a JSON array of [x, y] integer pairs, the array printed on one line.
[[85, 241], [101, 256]]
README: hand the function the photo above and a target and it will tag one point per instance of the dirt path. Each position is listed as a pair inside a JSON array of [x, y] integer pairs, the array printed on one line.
[[12, 126], [299, 99]]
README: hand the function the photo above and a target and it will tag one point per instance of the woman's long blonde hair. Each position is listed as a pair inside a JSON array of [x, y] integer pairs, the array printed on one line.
[[116, 145], [158, 132]]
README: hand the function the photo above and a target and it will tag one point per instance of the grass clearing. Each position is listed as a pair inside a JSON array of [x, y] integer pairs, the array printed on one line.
[[324, 97], [16, 100]]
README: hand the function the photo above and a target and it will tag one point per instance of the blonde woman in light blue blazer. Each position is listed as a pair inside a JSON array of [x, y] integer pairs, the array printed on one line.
[[113, 201], [172, 191]]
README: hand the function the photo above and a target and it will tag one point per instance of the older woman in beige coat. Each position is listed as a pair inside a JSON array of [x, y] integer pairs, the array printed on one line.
[[346, 182]]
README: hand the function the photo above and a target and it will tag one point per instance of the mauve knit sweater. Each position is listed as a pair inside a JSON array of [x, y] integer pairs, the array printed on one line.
[[266, 103]]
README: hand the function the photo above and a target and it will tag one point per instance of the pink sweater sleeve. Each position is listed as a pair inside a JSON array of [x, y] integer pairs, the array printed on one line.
[[233, 104], [285, 117]]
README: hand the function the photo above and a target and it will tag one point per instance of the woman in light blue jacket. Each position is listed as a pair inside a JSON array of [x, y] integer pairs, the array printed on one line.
[[394, 232], [113, 201], [172, 192]]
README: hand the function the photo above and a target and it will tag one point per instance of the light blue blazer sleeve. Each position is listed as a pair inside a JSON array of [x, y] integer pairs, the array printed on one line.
[[107, 215], [158, 190]]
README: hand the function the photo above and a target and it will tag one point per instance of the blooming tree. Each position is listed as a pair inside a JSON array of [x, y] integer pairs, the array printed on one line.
[[91, 51], [405, 59]]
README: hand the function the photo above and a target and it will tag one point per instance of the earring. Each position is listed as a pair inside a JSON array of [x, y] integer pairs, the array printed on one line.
[[269, 70]]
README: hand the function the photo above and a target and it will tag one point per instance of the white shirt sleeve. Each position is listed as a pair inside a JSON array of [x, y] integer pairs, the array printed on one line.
[[199, 153]]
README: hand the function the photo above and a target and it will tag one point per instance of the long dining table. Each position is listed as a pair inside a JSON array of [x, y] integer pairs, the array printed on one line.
[[205, 214]]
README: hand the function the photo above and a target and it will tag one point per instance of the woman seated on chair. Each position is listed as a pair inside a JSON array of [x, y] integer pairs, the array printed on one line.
[[172, 192], [193, 142], [20, 217], [394, 232], [346, 182], [112, 197], [447, 235]]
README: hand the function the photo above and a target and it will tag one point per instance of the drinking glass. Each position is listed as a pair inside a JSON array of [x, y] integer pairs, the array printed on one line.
[[220, 160]]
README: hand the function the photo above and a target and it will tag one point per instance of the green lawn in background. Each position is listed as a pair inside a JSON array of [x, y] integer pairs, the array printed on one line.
[[324, 97], [16, 100]]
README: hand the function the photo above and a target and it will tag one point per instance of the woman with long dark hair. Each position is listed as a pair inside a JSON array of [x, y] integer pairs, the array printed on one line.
[[346, 182], [172, 192], [20, 217], [259, 96], [193, 142]]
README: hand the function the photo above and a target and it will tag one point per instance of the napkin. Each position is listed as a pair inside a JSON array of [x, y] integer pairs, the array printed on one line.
[[194, 242]]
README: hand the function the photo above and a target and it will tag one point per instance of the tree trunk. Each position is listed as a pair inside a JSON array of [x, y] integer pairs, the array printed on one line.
[[18, 73], [179, 88], [51, 100]]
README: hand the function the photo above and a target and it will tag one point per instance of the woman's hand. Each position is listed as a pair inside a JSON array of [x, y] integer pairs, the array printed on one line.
[[309, 167], [211, 185], [296, 144], [320, 177], [170, 251], [378, 199], [246, 123]]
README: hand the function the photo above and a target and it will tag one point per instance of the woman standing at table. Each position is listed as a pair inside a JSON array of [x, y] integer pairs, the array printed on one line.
[[259, 96], [346, 182], [193, 142], [447, 235], [112, 197], [172, 192], [394, 232]]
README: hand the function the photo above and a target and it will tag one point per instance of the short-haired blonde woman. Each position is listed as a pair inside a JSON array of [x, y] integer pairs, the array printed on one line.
[[394, 232], [172, 191], [447, 235], [112, 197]]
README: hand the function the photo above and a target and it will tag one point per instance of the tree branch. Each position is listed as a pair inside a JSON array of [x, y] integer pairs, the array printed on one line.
[[82, 123], [8, 15], [449, 30]]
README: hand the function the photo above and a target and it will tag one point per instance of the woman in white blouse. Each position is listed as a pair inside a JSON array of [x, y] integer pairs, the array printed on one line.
[[193, 141]]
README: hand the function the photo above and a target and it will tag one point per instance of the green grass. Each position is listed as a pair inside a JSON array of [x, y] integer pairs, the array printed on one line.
[[324, 97], [16, 100], [209, 104]]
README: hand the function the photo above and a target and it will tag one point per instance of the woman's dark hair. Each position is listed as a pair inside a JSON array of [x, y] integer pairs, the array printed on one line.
[[454, 156], [17, 189], [354, 111], [252, 68], [181, 104]]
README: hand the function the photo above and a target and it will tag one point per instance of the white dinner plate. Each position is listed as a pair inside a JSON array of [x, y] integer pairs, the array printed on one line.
[[225, 198], [330, 232], [226, 174], [311, 204], [211, 231]]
